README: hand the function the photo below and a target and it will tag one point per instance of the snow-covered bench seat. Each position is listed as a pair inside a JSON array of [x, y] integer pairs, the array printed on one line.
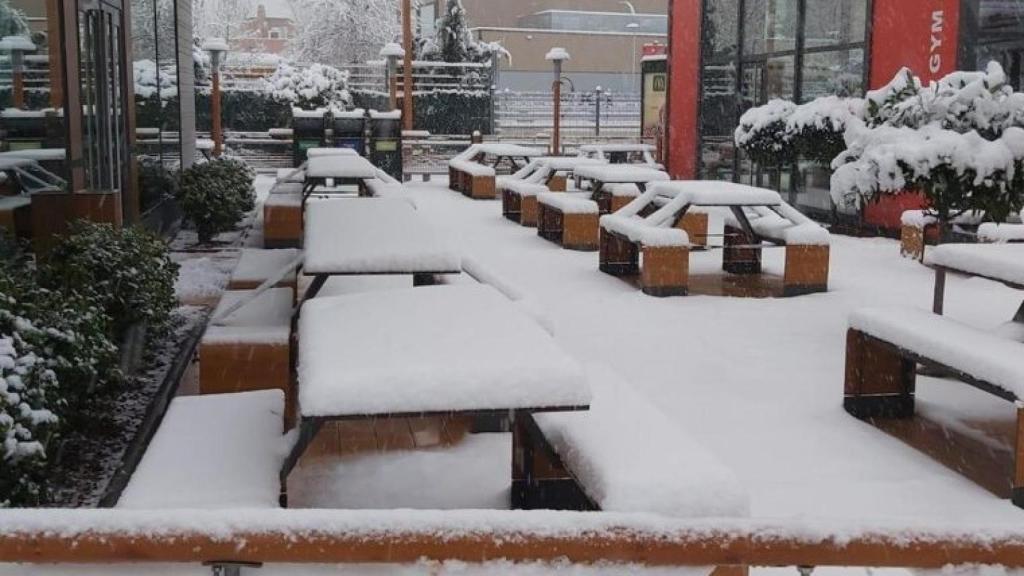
[[623, 455], [519, 200], [920, 228], [1000, 233], [665, 251], [884, 346], [471, 179], [282, 220], [217, 451], [568, 220], [257, 266], [249, 349]]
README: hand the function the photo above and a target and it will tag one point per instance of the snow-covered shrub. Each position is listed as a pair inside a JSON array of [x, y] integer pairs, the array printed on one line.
[[13, 21], [153, 80], [762, 133], [128, 271], [215, 195], [28, 420], [818, 128], [309, 87]]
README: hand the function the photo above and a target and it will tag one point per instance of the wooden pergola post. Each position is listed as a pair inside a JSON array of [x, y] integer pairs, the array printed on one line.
[[407, 109]]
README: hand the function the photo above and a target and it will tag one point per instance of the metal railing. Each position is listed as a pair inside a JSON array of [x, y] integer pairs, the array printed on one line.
[[597, 114]]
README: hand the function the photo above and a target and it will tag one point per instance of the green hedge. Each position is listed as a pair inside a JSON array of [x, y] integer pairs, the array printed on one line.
[[441, 112]]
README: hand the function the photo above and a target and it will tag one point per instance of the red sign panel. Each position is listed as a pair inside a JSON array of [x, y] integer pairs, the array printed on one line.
[[918, 34]]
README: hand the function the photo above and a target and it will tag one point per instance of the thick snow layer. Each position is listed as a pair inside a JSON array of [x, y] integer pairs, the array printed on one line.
[[373, 236], [511, 150], [291, 175], [214, 451], [990, 232], [637, 230], [256, 265], [287, 188], [322, 152], [471, 168], [343, 166], [300, 113], [463, 347], [557, 54], [568, 203], [388, 115], [218, 44], [393, 50], [620, 173], [630, 457], [1003, 262], [717, 193], [623, 190], [569, 163], [284, 200], [924, 218], [381, 189], [39, 155], [266, 319], [354, 114], [990, 358], [620, 147], [523, 188]]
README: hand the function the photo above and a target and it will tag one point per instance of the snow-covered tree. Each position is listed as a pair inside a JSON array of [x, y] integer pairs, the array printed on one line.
[[219, 18], [453, 41], [308, 87], [12, 20], [337, 32]]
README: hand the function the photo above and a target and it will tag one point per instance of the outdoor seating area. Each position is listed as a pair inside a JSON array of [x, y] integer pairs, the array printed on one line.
[[473, 172], [519, 191]]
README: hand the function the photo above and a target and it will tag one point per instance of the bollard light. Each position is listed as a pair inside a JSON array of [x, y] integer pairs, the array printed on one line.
[[217, 48], [556, 56], [17, 46], [392, 52]]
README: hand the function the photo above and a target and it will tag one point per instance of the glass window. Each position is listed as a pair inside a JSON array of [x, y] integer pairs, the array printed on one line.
[[994, 30], [769, 26], [721, 19], [839, 72], [834, 22]]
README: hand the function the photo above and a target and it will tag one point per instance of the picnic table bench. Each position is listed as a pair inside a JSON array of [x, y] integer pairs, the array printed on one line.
[[471, 174], [519, 191], [341, 169], [466, 350], [884, 346], [378, 236], [753, 217], [640, 154], [573, 221]]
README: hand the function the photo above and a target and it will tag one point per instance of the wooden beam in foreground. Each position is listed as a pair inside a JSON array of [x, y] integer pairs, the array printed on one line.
[[339, 537]]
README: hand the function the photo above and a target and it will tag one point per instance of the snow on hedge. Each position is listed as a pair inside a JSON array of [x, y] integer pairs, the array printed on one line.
[[149, 78], [312, 86]]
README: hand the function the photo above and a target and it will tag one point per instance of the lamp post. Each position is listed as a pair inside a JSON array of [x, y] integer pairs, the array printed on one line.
[[217, 48], [17, 46], [407, 108], [632, 27], [391, 52], [556, 56]]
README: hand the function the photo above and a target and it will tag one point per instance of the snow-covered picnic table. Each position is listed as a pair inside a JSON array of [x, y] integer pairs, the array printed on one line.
[[463, 349], [342, 168], [999, 262], [603, 176], [373, 236]]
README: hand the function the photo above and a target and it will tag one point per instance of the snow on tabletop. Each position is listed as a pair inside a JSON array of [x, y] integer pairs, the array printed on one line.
[[322, 152], [462, 347], [287, 188], [257, 265], [629, 457], [991, 232], [39, 155], [570, 163], [213, 451], [557, 54], [623, 190], [567, 203], [713, 192], [340, 167], [524, 189], [266, 319], [373, 236], [638, 230], [513, 150], [471, 168], [1003, 262], [387, 190], [389, 115], [291, 175], [980, 354], [620, 173], [300, 113]]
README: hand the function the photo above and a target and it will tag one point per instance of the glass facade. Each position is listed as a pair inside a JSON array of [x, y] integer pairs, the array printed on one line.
[[580, 20], [757, 50], [994, 30]]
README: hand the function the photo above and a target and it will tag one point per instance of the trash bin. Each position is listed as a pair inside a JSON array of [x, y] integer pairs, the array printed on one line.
[[386, 141], [350, 129], [308, 131]]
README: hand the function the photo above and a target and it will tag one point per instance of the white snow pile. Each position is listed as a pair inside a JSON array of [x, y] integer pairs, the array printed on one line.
[[310, 86], [991, 232], [23, 385], [150, 78]]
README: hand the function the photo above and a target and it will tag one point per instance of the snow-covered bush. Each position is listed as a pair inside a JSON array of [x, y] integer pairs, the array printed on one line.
[[12, 20], [342, 31], [215, 195], [28, 401], [128, 271], [763, 135], [151, 80], [309, 87]]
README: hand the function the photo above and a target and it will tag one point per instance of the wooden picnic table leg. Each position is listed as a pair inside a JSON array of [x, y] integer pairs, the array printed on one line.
[[939, 297], [423, 279], [308, 429], [1017, 496], [314, 288]]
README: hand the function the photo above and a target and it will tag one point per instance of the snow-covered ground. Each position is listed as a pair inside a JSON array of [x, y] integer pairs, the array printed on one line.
[[758, 381]]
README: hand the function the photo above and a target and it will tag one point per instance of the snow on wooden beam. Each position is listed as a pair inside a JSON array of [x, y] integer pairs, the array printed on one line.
[[400, 537]]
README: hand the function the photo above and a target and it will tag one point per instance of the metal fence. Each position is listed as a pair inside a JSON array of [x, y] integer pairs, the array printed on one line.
[[585, 115], [428, 77]]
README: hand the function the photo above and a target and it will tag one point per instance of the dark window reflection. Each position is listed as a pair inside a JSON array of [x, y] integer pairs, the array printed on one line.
[[994, 30]]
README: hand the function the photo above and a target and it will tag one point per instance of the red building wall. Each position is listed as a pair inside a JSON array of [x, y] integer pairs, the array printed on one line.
[[683, 87], [919, 34]]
